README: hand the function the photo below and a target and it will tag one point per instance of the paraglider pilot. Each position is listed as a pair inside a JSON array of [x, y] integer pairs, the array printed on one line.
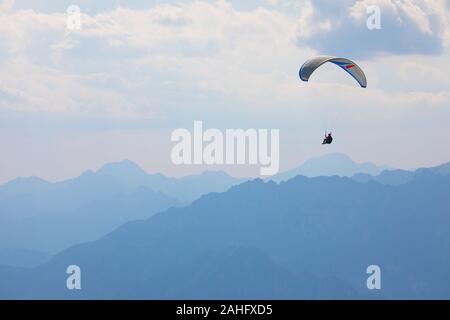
[[328, 139]]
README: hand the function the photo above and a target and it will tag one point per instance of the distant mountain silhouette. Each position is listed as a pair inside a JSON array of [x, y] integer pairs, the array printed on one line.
[[443, 169], [397, 177], [54, 232], [186, 189], [36, 215], [24, 186], [27, 197], [55, 198], [304, 238], [390, 177], [333, 164]]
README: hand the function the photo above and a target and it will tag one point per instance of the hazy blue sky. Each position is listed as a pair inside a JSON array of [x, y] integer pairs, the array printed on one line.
[[73, 100]]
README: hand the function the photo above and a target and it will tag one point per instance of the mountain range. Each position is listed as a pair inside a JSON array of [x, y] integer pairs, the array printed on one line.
[[398, 176], [333, 164], [304, 238], [39, 217]]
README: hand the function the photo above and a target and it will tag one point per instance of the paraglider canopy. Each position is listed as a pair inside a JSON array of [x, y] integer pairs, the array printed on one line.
[[348, 65]]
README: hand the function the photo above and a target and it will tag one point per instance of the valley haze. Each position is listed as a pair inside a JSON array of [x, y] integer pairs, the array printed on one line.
[[248, 239]]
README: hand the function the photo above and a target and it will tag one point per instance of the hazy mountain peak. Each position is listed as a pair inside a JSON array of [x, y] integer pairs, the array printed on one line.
[[442, 169], [124, 167], [25, 185], [398, 176], [27, 180], [329, 165]]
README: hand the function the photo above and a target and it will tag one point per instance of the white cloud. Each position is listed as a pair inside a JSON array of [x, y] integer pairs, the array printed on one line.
[[229, 67], [212, 47], [407, 27], [6, 6], [194, 48]]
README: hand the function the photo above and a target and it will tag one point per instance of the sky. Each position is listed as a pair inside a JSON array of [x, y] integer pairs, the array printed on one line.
[[75, 99]]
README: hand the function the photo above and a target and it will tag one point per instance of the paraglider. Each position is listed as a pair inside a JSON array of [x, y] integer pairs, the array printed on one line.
[[348, 65], [328, 138]]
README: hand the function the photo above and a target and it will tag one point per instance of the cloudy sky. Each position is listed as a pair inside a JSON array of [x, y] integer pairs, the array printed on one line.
[[72, 100]]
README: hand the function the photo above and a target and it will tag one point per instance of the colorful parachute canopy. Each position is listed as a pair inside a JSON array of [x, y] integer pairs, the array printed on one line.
[[352, 68]]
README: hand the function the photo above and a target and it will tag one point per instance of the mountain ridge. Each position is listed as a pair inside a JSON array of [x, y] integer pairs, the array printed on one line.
[[287, 228]]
